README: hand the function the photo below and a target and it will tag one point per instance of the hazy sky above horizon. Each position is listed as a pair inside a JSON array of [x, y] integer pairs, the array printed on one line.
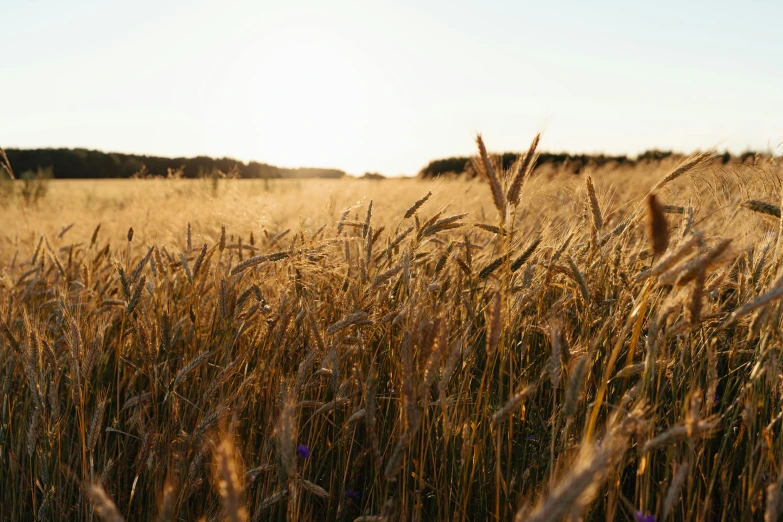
[[386, 87]]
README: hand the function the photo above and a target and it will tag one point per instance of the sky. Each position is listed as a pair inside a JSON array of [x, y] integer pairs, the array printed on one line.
[[388, 86]]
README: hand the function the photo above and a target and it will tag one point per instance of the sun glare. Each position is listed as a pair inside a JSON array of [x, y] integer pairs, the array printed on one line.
[[300, 103]]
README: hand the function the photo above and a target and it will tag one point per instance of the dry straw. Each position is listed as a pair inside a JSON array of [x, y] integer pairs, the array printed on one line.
[[494, 324], [673, 493]]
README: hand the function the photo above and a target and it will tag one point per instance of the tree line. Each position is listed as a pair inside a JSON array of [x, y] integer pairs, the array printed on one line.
[[93, 164], [83, 163], [575, 163]]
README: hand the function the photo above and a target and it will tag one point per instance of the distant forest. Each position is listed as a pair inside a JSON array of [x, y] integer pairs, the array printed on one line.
[[575, 163], [83, 163]]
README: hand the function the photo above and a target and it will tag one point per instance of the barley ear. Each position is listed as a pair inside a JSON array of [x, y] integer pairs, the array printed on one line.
[[104, 506], [595, 209], [415, 207], [491, 176], [762, 207], [688, 164]]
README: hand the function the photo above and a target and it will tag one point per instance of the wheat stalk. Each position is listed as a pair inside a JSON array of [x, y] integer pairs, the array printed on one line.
[[228, 483], [522, 169]]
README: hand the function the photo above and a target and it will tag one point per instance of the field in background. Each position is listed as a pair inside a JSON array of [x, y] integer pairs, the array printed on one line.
[[332, 349], [159, 209]]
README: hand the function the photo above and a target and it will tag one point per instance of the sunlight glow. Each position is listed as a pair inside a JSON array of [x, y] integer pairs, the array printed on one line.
[[303, 102], [387, 87]]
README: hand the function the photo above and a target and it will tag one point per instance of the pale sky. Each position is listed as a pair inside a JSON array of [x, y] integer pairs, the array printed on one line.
[[388, 86]]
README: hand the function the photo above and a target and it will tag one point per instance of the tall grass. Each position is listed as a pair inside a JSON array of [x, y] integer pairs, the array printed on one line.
[[557, 353]]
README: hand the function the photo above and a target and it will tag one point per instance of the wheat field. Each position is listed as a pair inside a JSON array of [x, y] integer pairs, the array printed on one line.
[[528, 345]]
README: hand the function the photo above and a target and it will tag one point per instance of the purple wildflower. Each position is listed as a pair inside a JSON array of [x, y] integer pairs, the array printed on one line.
[[303, 451], [351, 494], [640, 517]]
